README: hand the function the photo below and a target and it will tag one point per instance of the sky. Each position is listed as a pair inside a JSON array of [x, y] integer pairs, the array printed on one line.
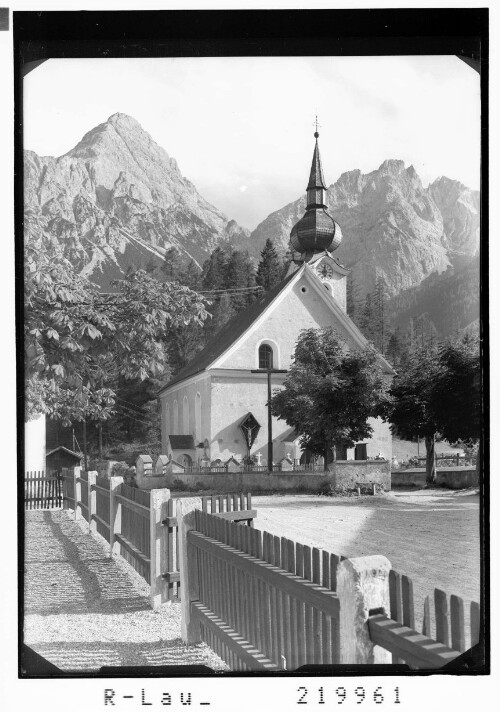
[[241, 128]]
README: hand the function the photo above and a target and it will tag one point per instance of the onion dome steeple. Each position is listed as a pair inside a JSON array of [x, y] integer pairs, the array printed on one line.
[[316, 231], [316, 185]]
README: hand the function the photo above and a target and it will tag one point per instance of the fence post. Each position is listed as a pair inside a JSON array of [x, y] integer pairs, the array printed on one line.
[[362, 586], [115, 514], [158, 511], [92, 501], [77, 489], [188, 568], [64, 492]]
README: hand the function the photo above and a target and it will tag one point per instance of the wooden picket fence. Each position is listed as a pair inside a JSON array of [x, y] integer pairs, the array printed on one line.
[[262, 602], [137, 522], [446, 629], [42, 491]]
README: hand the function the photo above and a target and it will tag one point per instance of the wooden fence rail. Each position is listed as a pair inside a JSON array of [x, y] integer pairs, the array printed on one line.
[[141, 526], [261, 601], [42, 491], [444, 635]]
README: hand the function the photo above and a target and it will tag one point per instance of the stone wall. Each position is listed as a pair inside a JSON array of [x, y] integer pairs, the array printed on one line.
[[452, 477], [349, 473], [345, 474]]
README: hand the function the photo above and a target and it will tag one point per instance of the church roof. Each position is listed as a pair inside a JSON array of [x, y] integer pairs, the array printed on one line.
[[228, 335], [235, 329]]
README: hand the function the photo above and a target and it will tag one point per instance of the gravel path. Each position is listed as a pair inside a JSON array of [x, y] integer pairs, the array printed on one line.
[[84, 610]]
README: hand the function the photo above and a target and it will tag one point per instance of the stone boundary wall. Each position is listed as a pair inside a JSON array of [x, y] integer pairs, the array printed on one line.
[[452, 477], [344, 474]]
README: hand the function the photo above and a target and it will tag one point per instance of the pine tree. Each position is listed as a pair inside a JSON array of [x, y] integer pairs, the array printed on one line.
[[270, 268], [396, 348], [239, 275], [173, 265], [368, 318], [214, 270], [380, 298]]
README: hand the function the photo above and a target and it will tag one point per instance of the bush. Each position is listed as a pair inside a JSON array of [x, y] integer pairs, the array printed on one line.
[[326, 489], [120, 469], [180, 486]]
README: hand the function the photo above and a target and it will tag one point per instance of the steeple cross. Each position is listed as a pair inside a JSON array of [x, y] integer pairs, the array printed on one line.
[[317, 126]]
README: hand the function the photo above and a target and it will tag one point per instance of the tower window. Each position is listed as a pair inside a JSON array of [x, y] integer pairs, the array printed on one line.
[[265, 356]]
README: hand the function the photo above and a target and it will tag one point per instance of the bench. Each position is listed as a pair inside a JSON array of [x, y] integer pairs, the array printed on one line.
[[364, 485]]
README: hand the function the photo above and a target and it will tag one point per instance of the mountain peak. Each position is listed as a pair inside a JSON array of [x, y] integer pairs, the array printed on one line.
[[392, 166], [120, 119], [125, 201]]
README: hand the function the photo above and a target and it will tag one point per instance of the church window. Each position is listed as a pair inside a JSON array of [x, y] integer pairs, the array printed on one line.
[[197, 417], [167, 419], [175, 428], [185, 416], [303, 290], [265, 356]]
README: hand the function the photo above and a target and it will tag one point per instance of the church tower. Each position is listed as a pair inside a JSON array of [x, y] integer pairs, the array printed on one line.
[[317, 235]]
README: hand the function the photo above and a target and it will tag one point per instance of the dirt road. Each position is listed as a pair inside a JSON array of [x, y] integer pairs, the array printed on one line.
[[432, 536]]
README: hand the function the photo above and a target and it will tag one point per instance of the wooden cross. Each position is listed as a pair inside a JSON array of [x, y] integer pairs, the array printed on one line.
[[269, 371]]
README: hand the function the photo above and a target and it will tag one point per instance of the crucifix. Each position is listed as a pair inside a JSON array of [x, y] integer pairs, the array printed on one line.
[[269, 371]]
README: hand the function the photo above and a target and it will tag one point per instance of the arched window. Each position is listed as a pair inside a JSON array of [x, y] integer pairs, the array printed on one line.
[[175, 428], [197, 418], [185, 416], [166, 425], [265, 356]]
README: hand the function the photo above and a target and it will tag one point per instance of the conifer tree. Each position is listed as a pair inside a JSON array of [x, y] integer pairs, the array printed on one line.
[[270, 268], [239, 275], [214, 270], [396, 348]]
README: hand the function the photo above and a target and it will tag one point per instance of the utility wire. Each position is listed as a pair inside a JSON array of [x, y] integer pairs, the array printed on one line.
[[138, 420]]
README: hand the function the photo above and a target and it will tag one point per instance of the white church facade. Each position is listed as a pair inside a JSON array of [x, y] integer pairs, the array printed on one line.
[[204, 405]]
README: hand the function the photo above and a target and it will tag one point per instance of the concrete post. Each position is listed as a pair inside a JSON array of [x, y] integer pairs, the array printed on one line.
[[362, 586], [158, 544], [188, 568], [77, 489], [143, 470], [161, 465], [92, 501], [115, 515]]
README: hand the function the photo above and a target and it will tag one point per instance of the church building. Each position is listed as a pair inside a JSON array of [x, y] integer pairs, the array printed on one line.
[[215, 407]]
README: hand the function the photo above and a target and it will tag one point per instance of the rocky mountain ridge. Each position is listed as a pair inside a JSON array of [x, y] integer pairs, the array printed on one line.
[[392, 226], [117, 200]]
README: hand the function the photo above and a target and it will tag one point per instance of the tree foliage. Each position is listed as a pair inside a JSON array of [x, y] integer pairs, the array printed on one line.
[[329, 393], [227, 279], [456, 394], [78, 342], [437, 394], [270, 267]]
